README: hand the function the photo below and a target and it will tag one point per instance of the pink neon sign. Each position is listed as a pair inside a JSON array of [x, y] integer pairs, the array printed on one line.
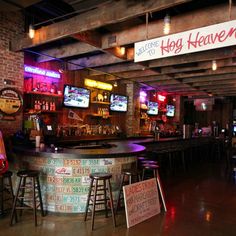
[[40, 71]]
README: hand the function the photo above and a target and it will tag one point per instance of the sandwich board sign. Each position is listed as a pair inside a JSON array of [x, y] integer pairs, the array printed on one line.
[[141, 201]]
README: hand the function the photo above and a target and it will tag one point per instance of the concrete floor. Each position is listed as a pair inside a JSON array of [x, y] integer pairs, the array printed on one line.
[[200, 202]]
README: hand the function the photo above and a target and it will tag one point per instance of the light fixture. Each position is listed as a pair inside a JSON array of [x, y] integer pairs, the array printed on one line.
[[214, 65], [31, 31], [115, 84], [122, 51], [166, 27]]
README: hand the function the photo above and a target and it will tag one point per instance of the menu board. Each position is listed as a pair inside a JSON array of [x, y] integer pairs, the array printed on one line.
[[10, 101], [141, 201]]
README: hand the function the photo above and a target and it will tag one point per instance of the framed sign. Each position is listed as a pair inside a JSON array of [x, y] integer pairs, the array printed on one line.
[[10, 101]]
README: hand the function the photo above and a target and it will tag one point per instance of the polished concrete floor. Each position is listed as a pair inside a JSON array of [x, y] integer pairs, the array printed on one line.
[[201, 202]]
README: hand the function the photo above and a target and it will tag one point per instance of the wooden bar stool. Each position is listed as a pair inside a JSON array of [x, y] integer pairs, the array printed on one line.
[[154, 169], [100, 190], [6, 191], [132, 176], [28, 192]]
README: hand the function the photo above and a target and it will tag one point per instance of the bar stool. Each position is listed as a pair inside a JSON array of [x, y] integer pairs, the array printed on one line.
[[6, 191], [154, 169], [99, 190], [27, 192], [132, 176]]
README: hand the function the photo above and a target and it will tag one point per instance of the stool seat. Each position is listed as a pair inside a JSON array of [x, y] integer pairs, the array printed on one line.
[[28, 173], [28, 194], [6, 174], [150, 166], [149, 162], [100, 176]]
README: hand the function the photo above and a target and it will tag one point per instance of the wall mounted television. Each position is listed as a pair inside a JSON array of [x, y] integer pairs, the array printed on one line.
[[170, 110], [118, 103], [76, 97], [152, 108]]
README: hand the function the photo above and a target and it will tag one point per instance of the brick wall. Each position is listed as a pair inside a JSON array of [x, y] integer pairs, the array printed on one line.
[[11, 64]]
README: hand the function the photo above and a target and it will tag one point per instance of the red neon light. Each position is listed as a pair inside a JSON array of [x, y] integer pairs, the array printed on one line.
[[161, 98]]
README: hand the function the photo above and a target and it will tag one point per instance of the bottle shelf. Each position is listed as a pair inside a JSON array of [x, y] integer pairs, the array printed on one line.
[[100, 115], [97, 102], [35, 112], [43, 94]]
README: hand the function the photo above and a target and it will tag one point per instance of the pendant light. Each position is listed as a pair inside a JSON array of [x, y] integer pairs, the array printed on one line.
[[214, 65], [166, 27], [31, 31]]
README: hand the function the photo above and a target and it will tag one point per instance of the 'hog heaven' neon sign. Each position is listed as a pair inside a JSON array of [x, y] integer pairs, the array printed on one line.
[[201, 39]]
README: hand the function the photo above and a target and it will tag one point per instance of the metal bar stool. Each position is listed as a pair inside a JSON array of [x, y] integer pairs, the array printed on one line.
[[97, 189], [29, 193], [6, 191], [132, 176], [154, 169]]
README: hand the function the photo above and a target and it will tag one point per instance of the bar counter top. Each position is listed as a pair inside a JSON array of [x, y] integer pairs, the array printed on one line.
[[112, 149]]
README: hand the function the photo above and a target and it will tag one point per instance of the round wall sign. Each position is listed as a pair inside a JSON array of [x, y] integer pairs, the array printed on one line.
[[10, 101]]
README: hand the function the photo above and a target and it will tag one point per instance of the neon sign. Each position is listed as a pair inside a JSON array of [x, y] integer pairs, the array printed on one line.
[[161, 98], [97, 84], [40, 71]]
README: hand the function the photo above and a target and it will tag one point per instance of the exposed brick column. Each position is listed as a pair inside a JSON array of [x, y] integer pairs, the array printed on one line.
[[11, 63], [133, 114]]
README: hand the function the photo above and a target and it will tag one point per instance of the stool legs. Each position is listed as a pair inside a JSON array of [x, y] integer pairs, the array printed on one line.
[[94, 202], [111, 201], [88, 200], [94, 190], [119, 193], [5, 188], [20, 197]]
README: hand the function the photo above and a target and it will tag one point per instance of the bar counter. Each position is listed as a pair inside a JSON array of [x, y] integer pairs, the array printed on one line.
[[65, 169]]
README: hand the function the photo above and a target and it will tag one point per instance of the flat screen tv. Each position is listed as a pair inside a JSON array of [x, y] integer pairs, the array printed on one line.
[[76, 97], [118, 103], [152, 108], [170, 110]]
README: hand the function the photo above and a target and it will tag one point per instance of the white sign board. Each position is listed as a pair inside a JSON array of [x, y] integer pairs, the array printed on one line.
[[141, 201], [201, 39]]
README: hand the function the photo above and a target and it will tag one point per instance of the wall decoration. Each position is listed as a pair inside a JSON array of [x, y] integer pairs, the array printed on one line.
[[10, 103]]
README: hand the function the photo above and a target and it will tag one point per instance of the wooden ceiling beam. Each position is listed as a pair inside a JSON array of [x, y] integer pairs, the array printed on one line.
[[215, 54], [78, 48], [93, 61], [122, 67], [213, 77], [110, 13], [192, 20]]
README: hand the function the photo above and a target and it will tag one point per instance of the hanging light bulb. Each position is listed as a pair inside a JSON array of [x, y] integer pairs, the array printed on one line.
[[214, 65], [115, 84], [166, 27], [122, 51], [31, 31]]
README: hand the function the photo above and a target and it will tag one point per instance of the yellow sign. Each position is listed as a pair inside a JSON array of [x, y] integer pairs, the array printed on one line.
[[97, 84]]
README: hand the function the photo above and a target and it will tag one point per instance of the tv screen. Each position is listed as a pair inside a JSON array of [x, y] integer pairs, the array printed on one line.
[[170, 110], [118, 103], [152, 108], [76, 97]]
